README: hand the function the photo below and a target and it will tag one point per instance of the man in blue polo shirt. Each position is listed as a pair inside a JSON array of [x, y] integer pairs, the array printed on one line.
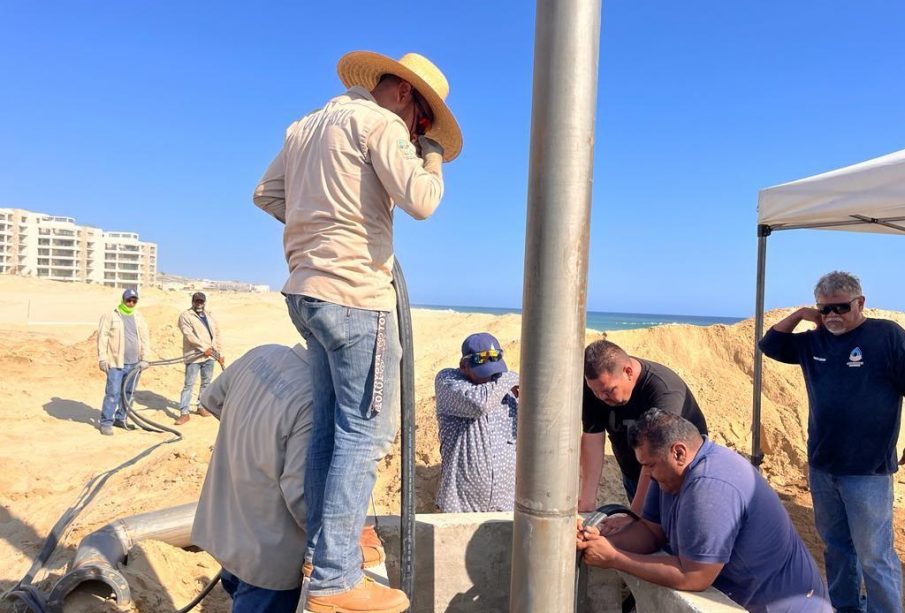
[[854, 370], [718, 521]]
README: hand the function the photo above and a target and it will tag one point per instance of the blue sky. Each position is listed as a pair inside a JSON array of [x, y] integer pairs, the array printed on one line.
[[159, 117]]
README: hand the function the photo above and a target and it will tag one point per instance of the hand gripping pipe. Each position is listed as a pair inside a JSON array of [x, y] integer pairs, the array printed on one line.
[[581, 570]]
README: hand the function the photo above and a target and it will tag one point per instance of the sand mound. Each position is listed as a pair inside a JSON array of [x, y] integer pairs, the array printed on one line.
[[52, 391], [165, 579]]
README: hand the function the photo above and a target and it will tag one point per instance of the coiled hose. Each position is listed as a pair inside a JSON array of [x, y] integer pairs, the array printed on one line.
[[24, 590]]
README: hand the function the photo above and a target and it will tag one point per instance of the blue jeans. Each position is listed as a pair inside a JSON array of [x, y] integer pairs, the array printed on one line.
[[206, 368], [853, 515], [348, 438], [250, 599], [114, 407]]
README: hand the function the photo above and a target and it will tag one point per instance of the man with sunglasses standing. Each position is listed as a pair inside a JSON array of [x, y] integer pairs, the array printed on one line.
[[200, 347], [854, 369], [477, 414], [123, 343], [341, 173]]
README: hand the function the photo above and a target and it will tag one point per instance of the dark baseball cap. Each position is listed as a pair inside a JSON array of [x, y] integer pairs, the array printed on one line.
[[479, 342], [130, 293], [199, 297]]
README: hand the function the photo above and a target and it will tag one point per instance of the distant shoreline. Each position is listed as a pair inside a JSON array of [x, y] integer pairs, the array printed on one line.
[[603, 320]]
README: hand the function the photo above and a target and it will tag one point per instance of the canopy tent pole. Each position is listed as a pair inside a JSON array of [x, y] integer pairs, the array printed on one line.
[[564, 102], [763, 231]]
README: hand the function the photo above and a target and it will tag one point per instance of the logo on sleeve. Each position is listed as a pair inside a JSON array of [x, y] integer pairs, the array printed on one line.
[[855, 357], [407, 149]]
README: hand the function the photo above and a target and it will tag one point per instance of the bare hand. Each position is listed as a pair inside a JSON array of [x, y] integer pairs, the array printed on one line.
[[514, 391], [208, 352], [612, 525], [596, 549], [902, 459], [102, 364], [812, 315], [222, 360]]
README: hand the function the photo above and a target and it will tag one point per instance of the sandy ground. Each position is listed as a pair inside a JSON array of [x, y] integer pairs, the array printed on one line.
[[51, 391]]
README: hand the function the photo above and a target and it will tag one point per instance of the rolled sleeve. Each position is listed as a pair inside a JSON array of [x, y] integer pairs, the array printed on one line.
[[414, 189]]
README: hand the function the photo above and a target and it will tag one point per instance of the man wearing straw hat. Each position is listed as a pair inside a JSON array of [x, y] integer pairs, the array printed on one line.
[[335, 184]]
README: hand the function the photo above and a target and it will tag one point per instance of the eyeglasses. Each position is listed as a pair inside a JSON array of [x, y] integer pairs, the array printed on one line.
[[425, 119], [839, 308], [491, 355]]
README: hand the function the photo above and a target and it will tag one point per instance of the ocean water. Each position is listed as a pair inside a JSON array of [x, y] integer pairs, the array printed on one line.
[[600, 320]]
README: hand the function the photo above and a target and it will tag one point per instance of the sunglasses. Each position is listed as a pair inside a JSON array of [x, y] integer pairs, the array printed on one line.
[[839, 308], [425, 119], [491, 355], [131, 300]]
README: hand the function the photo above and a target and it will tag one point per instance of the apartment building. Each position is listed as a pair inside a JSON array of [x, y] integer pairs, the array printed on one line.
[[51, 247]]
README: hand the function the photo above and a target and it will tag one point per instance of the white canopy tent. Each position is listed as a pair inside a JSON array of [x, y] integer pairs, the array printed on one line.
[[865, 197]]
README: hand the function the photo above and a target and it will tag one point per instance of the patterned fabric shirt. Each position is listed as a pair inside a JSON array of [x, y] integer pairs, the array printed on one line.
[[477, 442]]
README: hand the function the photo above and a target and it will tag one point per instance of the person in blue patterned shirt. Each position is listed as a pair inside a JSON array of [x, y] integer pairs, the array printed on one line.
[[477, 411]]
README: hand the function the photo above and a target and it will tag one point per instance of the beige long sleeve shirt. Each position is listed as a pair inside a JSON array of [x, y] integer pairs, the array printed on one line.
[[111, 338], [335, 183], [251, 515], [196, 337]]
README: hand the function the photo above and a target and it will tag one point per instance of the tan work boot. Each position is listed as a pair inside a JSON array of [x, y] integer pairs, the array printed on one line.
[[372, 551], [366, 597], [182, 419], [203, 412]]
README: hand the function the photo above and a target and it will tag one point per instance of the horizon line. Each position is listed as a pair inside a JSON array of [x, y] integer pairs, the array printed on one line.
[[519, 310]]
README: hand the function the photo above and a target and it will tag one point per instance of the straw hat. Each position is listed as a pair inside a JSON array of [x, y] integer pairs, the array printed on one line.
[[364, 68]]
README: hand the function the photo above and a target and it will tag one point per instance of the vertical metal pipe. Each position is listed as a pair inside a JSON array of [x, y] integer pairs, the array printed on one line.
[[763, 232], [567, 38]]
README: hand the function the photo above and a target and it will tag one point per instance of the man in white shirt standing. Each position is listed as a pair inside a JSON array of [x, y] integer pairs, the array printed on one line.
[[335, 184]]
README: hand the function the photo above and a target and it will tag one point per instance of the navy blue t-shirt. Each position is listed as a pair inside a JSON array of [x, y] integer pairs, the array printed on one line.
[[726, 512], [855, 383]]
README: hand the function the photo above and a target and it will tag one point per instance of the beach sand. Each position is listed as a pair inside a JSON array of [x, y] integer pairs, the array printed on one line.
[[51, 392]]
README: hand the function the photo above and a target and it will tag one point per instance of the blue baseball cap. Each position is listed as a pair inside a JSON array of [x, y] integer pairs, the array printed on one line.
[[483, 341], [130, 293]]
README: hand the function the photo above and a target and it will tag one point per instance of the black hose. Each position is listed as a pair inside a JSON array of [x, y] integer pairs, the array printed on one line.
[[24, 590], [207, 590], [407, 396]]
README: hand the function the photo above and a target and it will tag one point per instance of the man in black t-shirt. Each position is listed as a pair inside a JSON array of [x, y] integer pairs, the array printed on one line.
[[618, 389], [854, 370]]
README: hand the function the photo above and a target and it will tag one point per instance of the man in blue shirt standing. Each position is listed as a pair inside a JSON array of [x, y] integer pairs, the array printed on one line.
[[718, 521], [854, 370]]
